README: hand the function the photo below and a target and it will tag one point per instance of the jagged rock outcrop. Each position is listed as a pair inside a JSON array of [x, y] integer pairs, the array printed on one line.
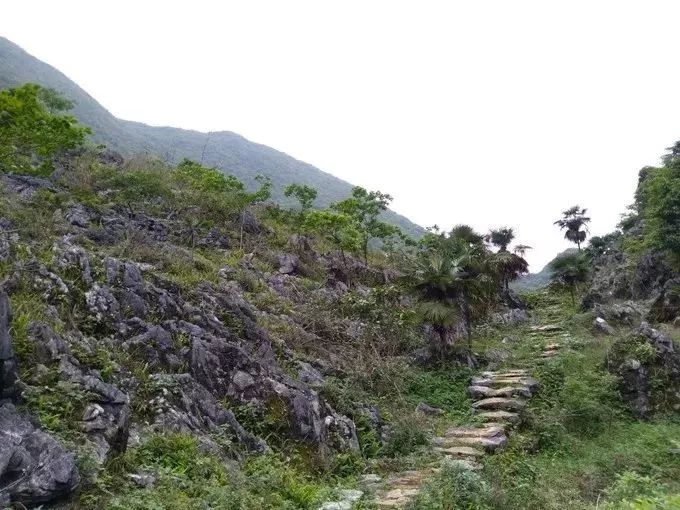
[[34, 467], [8, 362], [648, 362]]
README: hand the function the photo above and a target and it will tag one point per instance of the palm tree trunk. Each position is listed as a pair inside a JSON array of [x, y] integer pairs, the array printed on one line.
[[465, 313]]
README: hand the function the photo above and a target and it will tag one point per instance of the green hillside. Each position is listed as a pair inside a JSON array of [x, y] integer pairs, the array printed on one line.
[[225, 150]]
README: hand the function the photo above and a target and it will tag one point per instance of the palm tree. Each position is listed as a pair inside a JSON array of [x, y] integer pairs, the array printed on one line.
[[521, 250], [501, 238], [450, 289], [509, 267], [569, 271], [575, 222]]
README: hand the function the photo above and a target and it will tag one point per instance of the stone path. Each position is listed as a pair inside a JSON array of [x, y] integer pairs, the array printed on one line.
[[498, 398]]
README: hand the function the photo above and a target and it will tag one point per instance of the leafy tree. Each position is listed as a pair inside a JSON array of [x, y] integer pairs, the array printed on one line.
[[570, 270], [337, 228], [659, 199], [217, 196], [196, 177], [364, 207], [304, 194], [501, 238], [575, 223], [31, 131]]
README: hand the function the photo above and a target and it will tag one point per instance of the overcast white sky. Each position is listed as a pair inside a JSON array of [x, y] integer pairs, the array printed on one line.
[[490, 113]]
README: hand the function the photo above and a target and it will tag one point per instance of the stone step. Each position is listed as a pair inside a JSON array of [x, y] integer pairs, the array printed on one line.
[[546, 328], [499, 404], [504, 373], [552, 347], [483, 431], [465, 464], [499, 416], [465, 452], [489, 444], [396, 498], [477, 392], [549, 354], [515, 381]]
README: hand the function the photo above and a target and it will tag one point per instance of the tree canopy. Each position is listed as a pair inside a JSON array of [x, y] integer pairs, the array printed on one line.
[[33, 131]]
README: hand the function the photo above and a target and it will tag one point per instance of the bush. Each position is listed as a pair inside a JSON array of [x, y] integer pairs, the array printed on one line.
[[454, 487]]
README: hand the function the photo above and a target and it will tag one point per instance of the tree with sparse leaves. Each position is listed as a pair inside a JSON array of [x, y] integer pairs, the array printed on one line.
[[364, 207]]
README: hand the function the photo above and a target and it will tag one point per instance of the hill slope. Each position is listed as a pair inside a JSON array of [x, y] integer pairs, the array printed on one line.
[[225, 150]]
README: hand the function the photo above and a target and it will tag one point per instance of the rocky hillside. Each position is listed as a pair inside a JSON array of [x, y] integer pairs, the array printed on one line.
[[225, 150], [170, 339]]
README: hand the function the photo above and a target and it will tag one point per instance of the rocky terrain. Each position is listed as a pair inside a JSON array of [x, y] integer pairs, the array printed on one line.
[[171, 339]]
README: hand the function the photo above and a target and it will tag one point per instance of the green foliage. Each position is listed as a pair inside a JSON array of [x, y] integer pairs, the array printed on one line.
[[337, 228], [453, 488], [570, 270], [58, 404], [629, 486], [454, 282], [137, 186], [501, 237], [363, 209], [304, 194], [31, 132], [659, 198], [406, 436], [187, 477]]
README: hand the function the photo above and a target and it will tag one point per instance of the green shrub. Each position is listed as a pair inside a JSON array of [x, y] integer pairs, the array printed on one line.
[[453, 488], [406, 435]]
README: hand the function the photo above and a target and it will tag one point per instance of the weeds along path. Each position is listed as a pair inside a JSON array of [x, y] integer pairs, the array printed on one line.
[[498, 399]]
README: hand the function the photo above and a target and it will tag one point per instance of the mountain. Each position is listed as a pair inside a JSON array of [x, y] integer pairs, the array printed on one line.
[[534, 281], [225, 150]]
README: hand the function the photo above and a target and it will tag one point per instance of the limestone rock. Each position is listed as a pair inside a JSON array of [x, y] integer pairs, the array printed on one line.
[[34, 467]]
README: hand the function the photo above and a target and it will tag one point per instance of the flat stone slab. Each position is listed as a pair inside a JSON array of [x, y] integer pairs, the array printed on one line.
[[485, 431], [499, 404], [549, 354], [493, 416], [504, 373], [465, 464], [396, 498], [516, 381], [489, 444], [547, 327], [552, 347], [461, 451], [478, 392]]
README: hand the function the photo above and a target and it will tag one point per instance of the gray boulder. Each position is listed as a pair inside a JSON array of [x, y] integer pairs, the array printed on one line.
[[8, 363], [34, 468], [603, 326], [666, 307]]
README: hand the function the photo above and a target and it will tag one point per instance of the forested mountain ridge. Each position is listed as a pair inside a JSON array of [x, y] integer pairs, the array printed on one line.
[[225, 150]]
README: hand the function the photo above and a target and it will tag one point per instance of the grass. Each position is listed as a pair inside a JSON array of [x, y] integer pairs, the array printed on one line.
[[186, 476]]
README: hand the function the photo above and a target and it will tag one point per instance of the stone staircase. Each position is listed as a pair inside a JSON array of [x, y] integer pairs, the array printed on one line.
[[498, 398]]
